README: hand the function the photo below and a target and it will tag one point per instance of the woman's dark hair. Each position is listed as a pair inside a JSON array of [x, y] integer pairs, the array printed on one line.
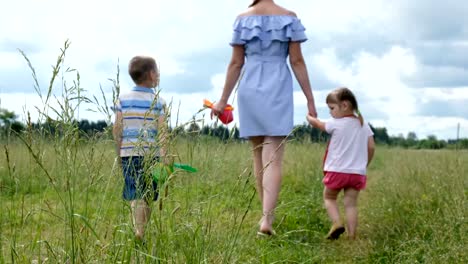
[[345, 94], [254, 3]]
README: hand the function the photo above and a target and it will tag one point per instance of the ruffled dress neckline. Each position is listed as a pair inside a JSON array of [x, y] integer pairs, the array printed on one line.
[[267, 28]]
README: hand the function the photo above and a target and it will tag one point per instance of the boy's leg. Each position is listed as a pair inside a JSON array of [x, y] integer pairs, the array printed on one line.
[[257, 147], [351, 211], [272, 157], [141, 214], [330, 196]]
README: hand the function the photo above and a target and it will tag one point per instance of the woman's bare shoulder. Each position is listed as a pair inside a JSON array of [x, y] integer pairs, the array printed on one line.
[[287, 11], [247, 12], [291, 13], [277, 10]]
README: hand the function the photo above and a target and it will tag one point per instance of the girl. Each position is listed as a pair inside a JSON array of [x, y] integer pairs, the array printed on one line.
[[348, 154]]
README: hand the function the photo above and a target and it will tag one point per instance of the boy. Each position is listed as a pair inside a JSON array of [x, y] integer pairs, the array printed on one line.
[[140, 133]]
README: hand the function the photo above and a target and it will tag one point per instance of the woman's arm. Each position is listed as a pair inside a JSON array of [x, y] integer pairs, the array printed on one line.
[[300, 71], [232, 75]]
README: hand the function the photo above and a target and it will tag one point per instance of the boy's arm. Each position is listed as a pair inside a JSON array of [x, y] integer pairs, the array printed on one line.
[[117, 131], [370, 149], [163, 135], [313, 121]]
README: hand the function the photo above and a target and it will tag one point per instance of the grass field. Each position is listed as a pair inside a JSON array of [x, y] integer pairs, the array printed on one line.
[[61, 203]]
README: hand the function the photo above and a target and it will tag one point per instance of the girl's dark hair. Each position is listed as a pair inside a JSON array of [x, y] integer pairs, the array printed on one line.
[[254, 3], [344, 94], [139, 68]]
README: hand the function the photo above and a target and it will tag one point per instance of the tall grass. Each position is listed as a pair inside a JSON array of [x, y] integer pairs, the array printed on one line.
[[61, 201]]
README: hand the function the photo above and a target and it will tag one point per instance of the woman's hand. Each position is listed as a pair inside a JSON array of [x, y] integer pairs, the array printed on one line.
[[218, 108], [311, 109]]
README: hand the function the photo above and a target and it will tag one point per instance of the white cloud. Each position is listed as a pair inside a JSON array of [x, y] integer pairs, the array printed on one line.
[[443, 94], [101, 32], [378, 81]]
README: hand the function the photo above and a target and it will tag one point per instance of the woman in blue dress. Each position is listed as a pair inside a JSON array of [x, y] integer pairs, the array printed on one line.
[[263, 38]]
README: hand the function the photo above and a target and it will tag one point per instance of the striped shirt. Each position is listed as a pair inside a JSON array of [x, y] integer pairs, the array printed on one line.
[[140, 109]]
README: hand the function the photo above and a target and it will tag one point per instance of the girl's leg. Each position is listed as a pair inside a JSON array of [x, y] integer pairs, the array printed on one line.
[[272, 158], [141, 214], [351, 211], [330, 196], [257, 147]]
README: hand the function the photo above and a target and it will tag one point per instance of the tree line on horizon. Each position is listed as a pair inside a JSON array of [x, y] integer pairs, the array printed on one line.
[[10, 126]]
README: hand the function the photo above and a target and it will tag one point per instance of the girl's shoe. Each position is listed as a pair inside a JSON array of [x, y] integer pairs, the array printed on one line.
[[335, 231]]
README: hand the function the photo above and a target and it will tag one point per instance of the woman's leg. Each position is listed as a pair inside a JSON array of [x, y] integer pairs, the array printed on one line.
[[257, 147], [272, 158], [351, 211]]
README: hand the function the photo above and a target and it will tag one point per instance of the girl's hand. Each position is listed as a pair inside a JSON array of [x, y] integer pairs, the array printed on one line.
[[218, 108], [311, 119]]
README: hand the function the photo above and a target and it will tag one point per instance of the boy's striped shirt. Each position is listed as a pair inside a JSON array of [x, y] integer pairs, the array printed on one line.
[[140, 109]]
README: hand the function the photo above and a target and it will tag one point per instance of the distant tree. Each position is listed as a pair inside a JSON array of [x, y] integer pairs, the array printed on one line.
[[235, 134], [206, 130], [300, 132], [398, 140], [380, 135], [91, 128], [221, 132], [463, 143], [411, 140], [432, 143], [193, 128], [9, 123], [412, 136]]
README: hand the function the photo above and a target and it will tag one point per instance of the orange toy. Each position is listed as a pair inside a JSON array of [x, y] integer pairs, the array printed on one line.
[[226, 117]]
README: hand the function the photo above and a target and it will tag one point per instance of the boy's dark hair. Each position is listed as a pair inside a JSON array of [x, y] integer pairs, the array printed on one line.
[[139, 67]]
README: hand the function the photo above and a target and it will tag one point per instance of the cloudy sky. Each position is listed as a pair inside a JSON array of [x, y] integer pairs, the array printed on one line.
[[407, 61]]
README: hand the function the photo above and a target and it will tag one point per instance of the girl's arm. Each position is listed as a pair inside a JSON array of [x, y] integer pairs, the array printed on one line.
[[300, 71], [313, 121], [232, 75], [370, 149]]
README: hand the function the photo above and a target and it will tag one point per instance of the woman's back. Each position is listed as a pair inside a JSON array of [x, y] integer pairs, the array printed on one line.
[[265, 32]]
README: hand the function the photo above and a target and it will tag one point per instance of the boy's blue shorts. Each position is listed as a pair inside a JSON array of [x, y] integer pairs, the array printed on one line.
[[139, 183]]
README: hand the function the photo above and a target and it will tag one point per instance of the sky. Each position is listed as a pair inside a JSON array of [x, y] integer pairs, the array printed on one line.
[[406, 61]]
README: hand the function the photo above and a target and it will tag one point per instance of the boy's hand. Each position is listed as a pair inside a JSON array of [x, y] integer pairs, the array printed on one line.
[[167, 159]]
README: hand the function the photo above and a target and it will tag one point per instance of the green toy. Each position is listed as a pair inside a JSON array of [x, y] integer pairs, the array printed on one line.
[[162, 172]]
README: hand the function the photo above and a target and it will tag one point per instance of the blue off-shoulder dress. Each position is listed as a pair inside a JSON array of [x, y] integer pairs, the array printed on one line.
[[265, 92]]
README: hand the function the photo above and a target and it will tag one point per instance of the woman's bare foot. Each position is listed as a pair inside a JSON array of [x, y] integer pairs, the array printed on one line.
[[266, 224]]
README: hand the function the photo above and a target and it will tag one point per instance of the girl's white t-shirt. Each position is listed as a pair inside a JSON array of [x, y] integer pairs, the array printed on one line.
[[347, 150]]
